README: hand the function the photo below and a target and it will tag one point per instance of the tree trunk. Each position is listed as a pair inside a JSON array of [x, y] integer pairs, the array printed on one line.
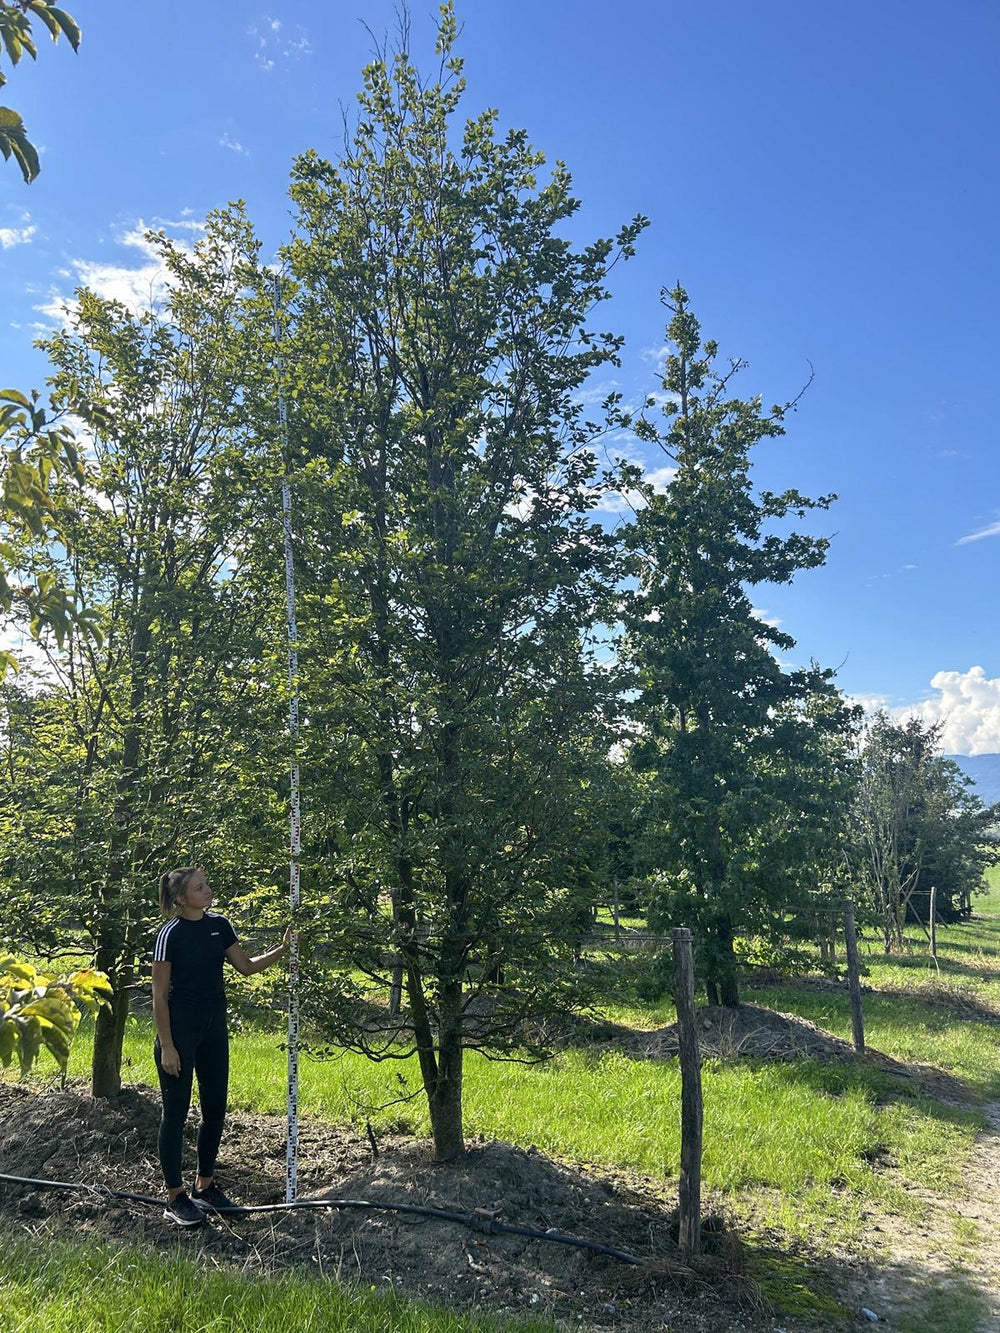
[[446, 1099], [729, 991], [109, 1028]]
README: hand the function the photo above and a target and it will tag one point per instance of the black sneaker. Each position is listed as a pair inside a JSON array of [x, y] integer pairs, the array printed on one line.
[[182, 1212], [211, 1199]]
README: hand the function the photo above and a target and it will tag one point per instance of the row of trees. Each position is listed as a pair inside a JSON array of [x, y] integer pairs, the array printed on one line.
[[506, 705]]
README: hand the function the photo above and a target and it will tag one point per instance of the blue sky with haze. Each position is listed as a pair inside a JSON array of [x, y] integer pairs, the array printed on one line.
[[821, 178]]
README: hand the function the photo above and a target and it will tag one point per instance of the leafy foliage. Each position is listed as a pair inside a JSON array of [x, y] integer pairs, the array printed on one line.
[[746, 763], [38, 1010], [914, 824], [38, 451], [142, 744], [453, 571], [16, 41]]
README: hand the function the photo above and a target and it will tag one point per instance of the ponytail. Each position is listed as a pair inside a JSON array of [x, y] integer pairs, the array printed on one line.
[[172, 885]]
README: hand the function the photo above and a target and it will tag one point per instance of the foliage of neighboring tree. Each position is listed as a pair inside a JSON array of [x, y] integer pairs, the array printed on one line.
[[152, 747], [38, 1010], [36, 446], [452, 571], [37, 451], [747, 762], [916, 824], [17, 39]]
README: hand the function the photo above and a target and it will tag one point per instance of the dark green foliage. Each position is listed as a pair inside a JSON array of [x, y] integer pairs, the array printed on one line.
[[745, 761]]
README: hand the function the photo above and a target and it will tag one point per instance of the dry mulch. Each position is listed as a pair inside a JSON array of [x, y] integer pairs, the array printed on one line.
[[66, 1135]]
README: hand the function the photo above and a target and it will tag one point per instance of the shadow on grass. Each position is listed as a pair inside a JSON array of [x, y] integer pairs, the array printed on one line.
[[914, 1301], [946, 966]]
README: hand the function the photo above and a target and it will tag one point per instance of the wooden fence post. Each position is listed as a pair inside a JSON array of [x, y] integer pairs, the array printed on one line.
[[854, 976], [691, 1100]]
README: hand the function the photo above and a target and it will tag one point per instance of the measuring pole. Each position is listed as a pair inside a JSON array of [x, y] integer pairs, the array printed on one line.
[[295, 843]]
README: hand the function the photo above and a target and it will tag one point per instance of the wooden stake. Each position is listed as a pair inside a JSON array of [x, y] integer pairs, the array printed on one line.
[[691, 1100], [854, 976]]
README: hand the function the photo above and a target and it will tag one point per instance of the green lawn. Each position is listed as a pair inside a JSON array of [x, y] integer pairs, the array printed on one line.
[[52, 1287]]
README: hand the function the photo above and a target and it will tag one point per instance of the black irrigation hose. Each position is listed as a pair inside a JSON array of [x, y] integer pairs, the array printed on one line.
[[482, 1223]]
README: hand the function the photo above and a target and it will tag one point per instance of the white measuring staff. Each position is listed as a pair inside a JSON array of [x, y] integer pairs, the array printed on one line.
[[292, 1156]]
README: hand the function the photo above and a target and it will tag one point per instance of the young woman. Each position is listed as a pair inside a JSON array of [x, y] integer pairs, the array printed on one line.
[[189, 1009]]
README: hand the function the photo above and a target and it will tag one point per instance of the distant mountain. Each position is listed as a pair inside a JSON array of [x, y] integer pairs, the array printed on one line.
[[984, 770]]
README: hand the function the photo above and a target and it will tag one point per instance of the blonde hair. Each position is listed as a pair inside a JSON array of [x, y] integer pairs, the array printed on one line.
[[172, 885]]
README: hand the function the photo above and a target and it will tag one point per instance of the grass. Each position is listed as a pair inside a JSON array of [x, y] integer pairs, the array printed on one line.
[[52, 1286], [801, 1129], [951, 1305], [802, 1145]]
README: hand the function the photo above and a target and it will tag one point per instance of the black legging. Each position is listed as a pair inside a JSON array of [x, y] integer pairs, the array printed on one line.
[[202, 1042]]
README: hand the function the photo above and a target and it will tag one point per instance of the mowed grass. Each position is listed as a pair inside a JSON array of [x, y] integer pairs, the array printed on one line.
[[947, 1016], [53, 1286]]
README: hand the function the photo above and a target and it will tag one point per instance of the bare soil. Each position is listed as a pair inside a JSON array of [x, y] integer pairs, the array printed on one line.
[[67, 1136]]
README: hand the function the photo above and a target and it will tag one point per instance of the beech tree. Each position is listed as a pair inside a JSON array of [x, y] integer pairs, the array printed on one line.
[[747, 763], [453, 571]]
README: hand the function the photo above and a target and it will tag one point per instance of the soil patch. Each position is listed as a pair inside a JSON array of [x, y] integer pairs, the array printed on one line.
[[66, 1135], [754, 1033]]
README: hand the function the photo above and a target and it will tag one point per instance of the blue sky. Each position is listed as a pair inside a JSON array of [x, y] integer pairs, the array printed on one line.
[[821, 178]]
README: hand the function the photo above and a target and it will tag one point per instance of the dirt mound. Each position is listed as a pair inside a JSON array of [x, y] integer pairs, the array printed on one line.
[[752, 1032], [68, 1136]]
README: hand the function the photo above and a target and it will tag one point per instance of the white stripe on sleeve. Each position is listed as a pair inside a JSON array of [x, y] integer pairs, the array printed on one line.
[[160, 948]]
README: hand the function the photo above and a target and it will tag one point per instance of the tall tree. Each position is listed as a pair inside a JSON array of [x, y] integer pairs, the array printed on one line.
[[746, 761], [454, 572], [150, 732]]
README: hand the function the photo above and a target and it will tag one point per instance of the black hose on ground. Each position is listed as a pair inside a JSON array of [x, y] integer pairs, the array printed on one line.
[[481, 1222]]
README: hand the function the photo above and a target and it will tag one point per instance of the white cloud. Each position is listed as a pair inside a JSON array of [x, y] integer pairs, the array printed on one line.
[[968, 705], [991, 530], [139, 287], [274, 42], [630, 500], [760, 613], [11, 236], [657, 355], [233, 145], [595, 393]]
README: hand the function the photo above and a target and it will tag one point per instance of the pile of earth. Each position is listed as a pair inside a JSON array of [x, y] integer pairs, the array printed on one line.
[[68, 1136], [753, 1032]]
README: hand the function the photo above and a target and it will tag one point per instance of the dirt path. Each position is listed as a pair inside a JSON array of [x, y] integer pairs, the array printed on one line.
[[943, 1271]]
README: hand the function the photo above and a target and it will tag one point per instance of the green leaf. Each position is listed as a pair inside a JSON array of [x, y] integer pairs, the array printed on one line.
[[41, 10], [14, 143], [68, 25], [14, 396]]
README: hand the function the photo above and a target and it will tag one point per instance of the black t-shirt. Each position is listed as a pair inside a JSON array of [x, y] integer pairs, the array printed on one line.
[[196, 951]]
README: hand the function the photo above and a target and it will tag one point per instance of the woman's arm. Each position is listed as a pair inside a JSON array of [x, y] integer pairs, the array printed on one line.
[[169, 1058], [242, 961]]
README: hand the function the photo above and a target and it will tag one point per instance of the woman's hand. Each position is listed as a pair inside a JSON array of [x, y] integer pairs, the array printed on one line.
[[170, 1060], [287, 939]]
